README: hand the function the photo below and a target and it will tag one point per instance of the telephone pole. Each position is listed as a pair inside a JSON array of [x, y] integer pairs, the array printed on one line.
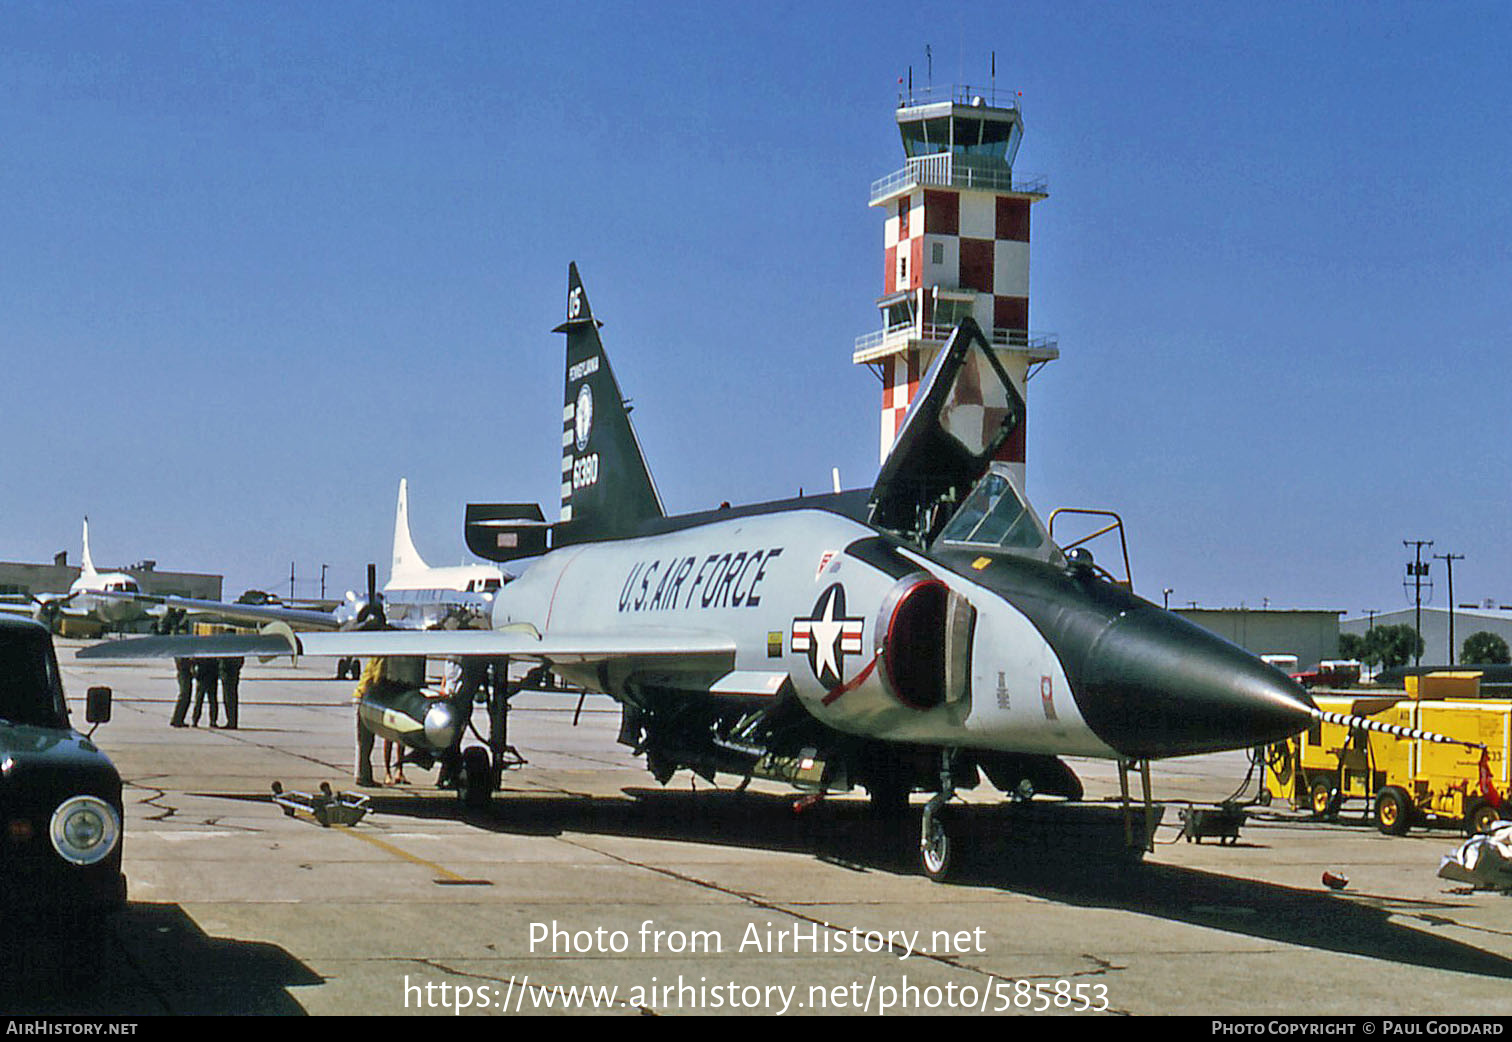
[[1416, 571], [1449, 560]]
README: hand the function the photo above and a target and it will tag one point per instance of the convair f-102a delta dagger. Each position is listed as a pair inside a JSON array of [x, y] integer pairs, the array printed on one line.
[[909, 637]]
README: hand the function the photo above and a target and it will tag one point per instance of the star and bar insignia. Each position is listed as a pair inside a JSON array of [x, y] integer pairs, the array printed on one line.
[[828, 636]]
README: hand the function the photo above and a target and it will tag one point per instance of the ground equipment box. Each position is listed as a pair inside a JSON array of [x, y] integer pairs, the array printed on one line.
[[1401, 780]]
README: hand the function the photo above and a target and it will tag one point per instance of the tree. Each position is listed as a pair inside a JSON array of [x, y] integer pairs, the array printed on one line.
[[1352, 646], [1485, 648], [1391, 646]]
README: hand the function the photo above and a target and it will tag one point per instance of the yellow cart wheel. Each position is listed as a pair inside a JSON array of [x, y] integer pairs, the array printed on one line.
[[1393, 811]]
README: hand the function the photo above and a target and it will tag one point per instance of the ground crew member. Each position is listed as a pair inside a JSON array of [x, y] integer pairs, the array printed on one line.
[[206, 678], [460, 681], [402, 674], [184, 670], [230, 682]]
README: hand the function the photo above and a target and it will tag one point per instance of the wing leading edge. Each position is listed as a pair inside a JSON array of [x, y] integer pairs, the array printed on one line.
[[694, 649]]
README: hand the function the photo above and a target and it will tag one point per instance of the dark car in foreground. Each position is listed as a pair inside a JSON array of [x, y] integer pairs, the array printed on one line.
[[60, 796]]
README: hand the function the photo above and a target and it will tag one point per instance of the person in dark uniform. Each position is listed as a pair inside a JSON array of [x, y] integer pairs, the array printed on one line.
[[184, 670], [230, 682], [206, 678], [461, 679]]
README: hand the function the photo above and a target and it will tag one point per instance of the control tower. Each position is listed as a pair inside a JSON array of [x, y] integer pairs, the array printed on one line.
[[956, 244]]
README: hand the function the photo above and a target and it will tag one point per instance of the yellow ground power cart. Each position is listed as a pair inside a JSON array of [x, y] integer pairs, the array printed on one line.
[[1403, 779]]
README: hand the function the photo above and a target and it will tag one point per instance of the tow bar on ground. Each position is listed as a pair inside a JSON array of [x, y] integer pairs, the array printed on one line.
[[326, 809]]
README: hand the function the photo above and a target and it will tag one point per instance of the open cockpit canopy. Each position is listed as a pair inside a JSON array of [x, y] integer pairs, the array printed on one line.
[[996, 516], [966, 409]]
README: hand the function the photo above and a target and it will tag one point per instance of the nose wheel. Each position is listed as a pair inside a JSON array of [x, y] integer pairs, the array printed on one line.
[[938, 848], [935, 847]]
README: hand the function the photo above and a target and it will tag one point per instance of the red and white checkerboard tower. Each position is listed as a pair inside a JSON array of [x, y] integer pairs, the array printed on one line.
[[957, 244]]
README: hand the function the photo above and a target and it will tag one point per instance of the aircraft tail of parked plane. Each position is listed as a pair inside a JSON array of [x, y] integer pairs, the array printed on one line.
[[106, 598], [419, 596], [406, 562], [607, 488], [87, 568], [408, 570]]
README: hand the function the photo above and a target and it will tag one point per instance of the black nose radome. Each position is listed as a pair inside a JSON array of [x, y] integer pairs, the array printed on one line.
[[1156, 685]]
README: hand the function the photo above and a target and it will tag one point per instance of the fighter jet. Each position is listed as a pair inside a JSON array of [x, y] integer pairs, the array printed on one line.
[[909, 637]]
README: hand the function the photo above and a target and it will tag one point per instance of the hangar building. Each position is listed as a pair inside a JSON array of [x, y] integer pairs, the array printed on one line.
[[1310, 634]]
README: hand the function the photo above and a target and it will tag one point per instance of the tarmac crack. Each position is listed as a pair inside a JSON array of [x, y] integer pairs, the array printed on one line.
[[164, 812], [1441, 921], [236, 736]]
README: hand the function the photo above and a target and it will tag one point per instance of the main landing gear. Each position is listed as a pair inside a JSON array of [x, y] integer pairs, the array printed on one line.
[[482, 766]]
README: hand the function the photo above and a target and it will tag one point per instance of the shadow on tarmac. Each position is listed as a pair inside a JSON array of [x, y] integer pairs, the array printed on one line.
[[150, 959], [1073, 854]]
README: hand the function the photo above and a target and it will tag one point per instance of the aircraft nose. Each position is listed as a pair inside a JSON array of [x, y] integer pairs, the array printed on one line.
[[1156, 685]]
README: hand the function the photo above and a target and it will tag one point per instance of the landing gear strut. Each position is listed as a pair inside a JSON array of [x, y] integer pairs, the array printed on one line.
[[936, 844], [1145, 836], [482, 766]]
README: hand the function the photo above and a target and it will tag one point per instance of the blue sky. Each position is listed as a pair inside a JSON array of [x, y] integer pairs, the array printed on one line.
[[260, 261]]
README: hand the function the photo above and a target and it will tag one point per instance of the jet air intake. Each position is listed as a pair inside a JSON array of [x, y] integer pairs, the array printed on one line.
[[924, 642], [408, 716]]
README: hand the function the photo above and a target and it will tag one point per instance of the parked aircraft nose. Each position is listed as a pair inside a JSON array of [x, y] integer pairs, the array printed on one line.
[[1156, 685]]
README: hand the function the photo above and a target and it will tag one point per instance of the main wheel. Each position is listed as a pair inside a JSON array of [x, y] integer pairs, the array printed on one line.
[[935, 848], [1324, 798], [1393, 811], [475, 784]]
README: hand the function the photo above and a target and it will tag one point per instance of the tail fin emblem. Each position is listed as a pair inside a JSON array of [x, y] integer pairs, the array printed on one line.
[[582, 416]]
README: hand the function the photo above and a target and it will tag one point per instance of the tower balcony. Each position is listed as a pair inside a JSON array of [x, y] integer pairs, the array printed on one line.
[[1034, 348], [947, 170]]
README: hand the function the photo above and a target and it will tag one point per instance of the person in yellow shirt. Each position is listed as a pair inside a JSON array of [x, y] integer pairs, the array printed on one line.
[[398, 674]]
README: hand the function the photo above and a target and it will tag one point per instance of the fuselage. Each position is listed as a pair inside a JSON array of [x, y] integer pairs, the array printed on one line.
[[109, 610], [975, 648], [460, 595]]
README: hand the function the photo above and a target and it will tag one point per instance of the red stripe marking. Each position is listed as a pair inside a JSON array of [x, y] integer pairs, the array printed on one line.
[[855, 682]]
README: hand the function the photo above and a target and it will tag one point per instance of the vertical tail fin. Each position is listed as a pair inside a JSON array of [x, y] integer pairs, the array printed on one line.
[[607, 489], [87, 567], [406, 558]]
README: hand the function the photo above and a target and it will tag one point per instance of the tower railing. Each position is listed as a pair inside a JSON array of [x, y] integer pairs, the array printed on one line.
[[1042, 345], [959, 94], [943, 169]]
